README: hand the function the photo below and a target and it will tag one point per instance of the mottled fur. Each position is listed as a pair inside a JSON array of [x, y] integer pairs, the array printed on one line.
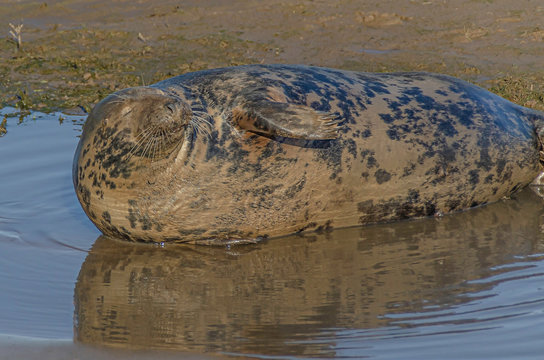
[[267, 150]]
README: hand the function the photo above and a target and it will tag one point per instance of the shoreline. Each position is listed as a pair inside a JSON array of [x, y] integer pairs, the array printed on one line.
[[73, 53]]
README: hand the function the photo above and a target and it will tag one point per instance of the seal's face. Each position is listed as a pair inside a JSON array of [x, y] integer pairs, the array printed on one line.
[[152, 120], [127, 142]]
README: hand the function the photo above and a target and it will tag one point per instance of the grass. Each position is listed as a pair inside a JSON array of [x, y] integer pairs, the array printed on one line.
[[523, 90], [76, 68], [64, 69]]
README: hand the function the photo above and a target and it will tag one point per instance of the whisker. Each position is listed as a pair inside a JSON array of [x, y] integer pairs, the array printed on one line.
[[201, 129], [161, 140], [147, 146], [140, 140], [200, 123], [155, 146]]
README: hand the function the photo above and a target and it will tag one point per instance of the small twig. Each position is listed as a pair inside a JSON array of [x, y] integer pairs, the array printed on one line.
[[15, 33], [142, 38]]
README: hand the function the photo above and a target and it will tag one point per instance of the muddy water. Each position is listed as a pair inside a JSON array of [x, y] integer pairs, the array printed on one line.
[[468, 286]]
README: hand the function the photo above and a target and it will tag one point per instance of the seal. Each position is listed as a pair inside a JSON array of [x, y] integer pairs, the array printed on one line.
[[244, 153]]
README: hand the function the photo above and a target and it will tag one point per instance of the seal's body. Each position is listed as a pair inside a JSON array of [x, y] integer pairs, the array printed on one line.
[[255, 151]]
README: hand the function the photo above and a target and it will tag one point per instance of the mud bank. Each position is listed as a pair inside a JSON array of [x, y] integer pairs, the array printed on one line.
[[74, 52]]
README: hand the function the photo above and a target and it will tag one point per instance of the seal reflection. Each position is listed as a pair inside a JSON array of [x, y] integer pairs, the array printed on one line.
[[278, 297]]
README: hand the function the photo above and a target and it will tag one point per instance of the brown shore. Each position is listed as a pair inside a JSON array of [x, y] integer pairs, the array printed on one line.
[[74, 52]]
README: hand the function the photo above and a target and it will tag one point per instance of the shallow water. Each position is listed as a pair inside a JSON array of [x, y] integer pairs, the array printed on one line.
[[468, 286]]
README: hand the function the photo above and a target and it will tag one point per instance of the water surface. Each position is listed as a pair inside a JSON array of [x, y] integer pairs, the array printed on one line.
[[468, 286]]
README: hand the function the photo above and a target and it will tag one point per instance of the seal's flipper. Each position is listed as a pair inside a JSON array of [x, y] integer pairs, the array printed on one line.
[[287, 120]]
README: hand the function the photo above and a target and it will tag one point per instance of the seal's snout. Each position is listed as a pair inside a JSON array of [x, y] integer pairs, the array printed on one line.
[[146, 108], [152, 120]]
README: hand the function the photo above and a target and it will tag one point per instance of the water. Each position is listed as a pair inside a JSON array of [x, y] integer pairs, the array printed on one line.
[[468, 286]]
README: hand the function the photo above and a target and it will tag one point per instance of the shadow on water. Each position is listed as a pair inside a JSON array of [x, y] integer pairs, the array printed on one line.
[[292, 296]]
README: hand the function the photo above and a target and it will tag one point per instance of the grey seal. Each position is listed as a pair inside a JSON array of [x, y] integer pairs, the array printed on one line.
[[244, 153]]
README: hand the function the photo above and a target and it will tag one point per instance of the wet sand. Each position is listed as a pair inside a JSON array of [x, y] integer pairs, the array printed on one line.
[[75, 52]]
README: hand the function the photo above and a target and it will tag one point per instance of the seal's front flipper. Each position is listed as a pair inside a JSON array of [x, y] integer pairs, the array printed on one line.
[[271, 118]]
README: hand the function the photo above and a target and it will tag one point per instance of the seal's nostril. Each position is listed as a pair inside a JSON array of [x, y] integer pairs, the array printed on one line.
[[170, 107]]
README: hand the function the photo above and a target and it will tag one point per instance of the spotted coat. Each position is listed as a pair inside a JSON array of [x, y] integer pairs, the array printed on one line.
[[403, 145]]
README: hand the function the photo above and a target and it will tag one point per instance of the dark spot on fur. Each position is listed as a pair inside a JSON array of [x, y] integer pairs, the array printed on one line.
[[488, 179], [371, 162], [131, 213], [463, 112], [295, 188], [365, 206], [455, 88], [351, 146], [387, 118], [447, 129], [85, 195], [484, 142], [332, 156], [214, 148], [430, 208], [322, 105], [413, 196], [501, 163], [393, 134], [453, 204], [474, 177], [395, 209], [382, 176], [408, 170], [113, 152], [237, 156], [146, 222]]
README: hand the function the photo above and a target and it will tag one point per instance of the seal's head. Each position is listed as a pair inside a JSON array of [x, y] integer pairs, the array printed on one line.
[[126, 143], [149, 120]]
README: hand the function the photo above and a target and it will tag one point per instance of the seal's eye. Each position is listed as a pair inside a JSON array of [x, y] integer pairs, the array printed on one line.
[[126, 110]]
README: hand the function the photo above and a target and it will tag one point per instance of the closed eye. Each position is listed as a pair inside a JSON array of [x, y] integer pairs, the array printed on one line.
[[128, 111]]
